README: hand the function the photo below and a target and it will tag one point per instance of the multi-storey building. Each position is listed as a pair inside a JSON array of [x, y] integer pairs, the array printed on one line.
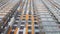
[[30, 17]]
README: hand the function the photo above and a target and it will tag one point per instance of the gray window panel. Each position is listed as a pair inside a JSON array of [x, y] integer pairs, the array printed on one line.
[[16, 23], [18, 16], [48, 16], [17, 19], [44, 13], [29, 30], [37, 30], [29, 23], [49, 28], [49, 23], [43, 19], [52, 32], [21, 27], [36, 27], [42, 16], [20, 32], [13, 27], [22, 22]]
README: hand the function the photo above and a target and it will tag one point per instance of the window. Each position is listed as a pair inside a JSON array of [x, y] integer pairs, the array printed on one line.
[[23, 23], [20, 32], [22, 27], [18, 16], [36, 32], [36, 27], [34, 15], [17, 19], [29, 19], [23, 19], [29, 23], [14, 27], [35, 23], [24, 16], [35, 19], [29, 12], [29, 27], [29, 16], [29, 32], [59, 26], [16, 23]]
